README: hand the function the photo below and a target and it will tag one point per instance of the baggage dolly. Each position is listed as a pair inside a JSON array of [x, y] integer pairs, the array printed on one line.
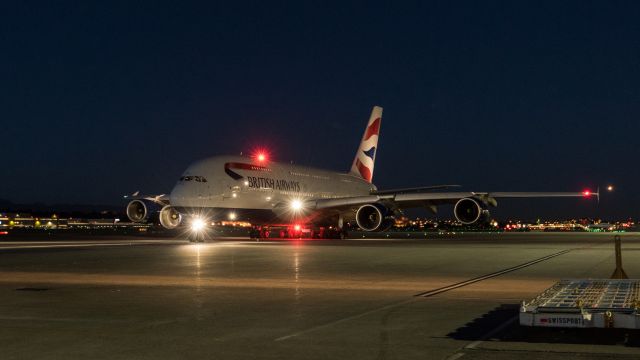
[[585, 304]]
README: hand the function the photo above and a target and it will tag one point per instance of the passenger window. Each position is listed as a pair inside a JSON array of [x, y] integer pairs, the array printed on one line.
[[193, 178]]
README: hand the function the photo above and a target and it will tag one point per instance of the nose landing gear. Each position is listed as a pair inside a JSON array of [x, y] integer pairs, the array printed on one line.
[[195, 237]]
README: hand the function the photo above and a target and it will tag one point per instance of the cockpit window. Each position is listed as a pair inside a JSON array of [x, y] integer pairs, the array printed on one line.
[[193, 178]]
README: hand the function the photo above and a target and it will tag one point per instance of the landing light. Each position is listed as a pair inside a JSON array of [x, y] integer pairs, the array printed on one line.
[[197, 225], [296, 205]]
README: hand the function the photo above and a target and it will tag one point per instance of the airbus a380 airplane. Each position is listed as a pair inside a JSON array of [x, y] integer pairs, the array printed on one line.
[[263, 192]]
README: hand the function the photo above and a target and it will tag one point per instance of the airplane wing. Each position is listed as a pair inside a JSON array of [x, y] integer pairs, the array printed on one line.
[[413, 189], [420, 199], [161, 199]]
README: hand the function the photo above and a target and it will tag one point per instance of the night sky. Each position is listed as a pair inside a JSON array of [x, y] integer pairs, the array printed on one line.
[[100, 99]]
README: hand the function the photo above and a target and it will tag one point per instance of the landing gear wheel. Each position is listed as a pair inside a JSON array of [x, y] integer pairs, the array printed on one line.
[[254, 233], [195, 238]]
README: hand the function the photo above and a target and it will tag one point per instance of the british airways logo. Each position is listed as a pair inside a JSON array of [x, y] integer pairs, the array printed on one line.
[[257, 182], [371, 152], [373, 129], [242, 166], [364, 161]]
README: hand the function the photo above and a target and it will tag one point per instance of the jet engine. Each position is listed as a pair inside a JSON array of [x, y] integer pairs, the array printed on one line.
[[373, 217], [470, 210], [142, 210], [170, 218]]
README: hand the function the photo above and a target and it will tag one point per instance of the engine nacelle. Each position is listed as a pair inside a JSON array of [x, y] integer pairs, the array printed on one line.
[[142, 210], [170, 218], [373, 217], [470, 211]]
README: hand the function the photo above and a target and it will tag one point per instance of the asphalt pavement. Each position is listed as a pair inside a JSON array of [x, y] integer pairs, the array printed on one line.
[[441, 297]]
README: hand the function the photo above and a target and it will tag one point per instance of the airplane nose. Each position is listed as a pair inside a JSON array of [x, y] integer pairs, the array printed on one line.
[[178, 195]]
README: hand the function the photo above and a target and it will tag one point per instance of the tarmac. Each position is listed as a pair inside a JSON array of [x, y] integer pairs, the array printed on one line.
[[442, 297]]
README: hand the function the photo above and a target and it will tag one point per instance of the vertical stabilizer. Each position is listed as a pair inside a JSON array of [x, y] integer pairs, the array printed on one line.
[[366, 156]]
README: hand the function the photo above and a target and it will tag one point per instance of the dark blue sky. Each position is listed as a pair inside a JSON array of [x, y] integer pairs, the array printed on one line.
[[99, 99]]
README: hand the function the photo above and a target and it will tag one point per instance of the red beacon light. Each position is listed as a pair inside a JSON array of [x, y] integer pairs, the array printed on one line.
[[260, 156], [586, 193]]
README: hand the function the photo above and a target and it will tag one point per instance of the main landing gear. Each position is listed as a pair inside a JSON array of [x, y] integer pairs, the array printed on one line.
[[258, 233], [196, 237]]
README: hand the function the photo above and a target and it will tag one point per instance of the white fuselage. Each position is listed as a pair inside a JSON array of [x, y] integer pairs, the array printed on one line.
[[242, 183]]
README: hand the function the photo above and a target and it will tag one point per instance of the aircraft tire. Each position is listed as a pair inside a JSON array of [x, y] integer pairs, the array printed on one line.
[[195, 238]]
